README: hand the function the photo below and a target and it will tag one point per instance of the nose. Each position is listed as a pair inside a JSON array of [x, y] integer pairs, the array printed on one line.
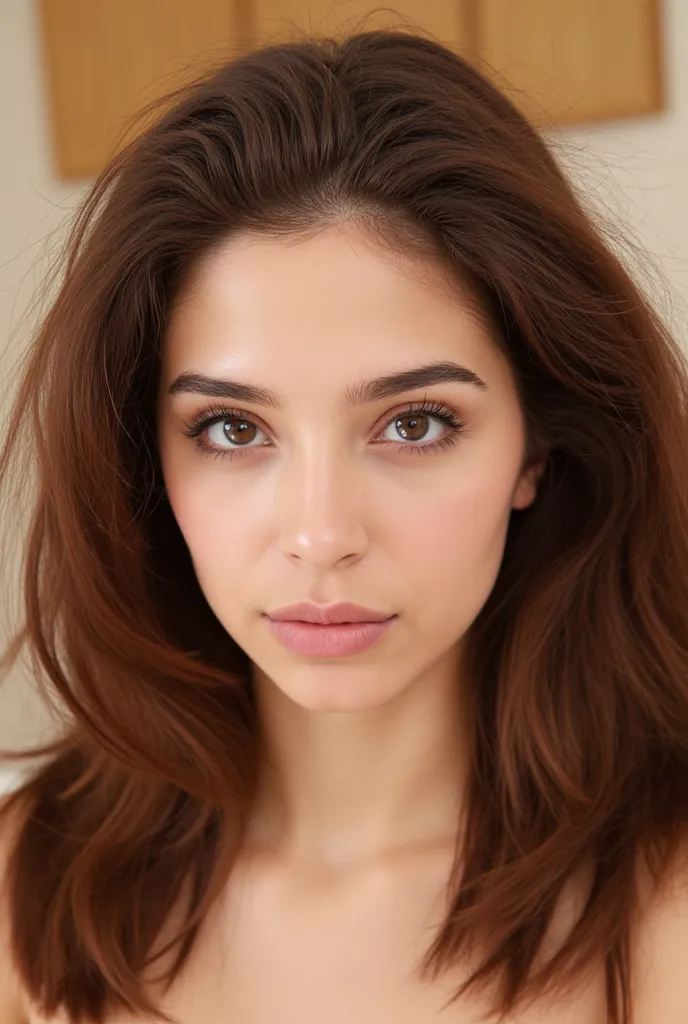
[[320, 512]]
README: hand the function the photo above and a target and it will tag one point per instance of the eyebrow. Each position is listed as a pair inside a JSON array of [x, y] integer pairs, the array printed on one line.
[[360, 393]]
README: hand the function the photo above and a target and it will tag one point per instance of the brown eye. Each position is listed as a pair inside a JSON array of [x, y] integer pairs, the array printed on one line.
[[413, 426], [238, 431], [232, 433]]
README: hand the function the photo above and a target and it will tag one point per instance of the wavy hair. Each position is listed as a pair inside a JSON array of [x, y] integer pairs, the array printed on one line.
[[578, 662]]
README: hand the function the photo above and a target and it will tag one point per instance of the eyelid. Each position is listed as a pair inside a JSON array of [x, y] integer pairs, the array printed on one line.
[[435, 409], [219, 410]]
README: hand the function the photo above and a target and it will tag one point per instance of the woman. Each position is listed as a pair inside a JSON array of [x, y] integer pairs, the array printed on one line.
[[336, 332]]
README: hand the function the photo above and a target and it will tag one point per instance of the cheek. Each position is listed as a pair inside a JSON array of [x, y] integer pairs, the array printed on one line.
[[466, 528], [212, 530], [458, 549]]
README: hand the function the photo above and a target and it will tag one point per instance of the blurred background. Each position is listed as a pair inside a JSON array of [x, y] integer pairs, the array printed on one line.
[[606, 80]]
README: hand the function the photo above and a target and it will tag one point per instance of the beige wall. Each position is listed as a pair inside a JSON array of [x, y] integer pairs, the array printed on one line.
[[637, 171], [32, 207]]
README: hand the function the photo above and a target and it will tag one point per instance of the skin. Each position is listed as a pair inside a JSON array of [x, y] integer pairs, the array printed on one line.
[[365, 754]]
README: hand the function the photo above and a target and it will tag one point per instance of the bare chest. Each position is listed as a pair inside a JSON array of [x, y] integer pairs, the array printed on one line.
[[300, 951]]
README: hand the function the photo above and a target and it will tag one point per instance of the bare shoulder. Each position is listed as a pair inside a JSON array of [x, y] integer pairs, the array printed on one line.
[[12, 1004], [659, 949]]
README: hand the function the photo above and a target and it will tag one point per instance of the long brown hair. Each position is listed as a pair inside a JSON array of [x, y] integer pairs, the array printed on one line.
[[578, 661]]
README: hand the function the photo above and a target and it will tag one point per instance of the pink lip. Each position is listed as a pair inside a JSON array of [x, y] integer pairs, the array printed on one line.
[[331, 641], [326, 615]]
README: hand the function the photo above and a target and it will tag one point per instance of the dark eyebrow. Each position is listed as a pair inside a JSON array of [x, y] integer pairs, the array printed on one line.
[[357, 394]]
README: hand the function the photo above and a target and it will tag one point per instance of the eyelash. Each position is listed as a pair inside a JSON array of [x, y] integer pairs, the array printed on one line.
[[208, 417]]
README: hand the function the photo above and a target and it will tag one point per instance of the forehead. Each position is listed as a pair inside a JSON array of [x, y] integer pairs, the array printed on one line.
[[332, 303], [336, 267]]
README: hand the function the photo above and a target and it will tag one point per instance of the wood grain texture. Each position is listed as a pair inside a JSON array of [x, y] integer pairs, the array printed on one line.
[[447, 21], [105, 60], [561, 61], [574, 61]]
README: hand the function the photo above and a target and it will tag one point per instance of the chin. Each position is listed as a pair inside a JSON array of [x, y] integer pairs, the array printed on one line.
[[342, 692]]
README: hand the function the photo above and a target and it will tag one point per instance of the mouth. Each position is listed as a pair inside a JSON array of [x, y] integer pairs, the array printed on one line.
[[334, 640], [344, 612], [333, 625]]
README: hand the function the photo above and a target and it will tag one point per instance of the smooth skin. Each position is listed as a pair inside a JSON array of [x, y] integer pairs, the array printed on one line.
[[366, 750], [342, 880]]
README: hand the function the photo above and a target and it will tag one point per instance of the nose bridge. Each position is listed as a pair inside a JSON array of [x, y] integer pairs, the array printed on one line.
[[319, 502]]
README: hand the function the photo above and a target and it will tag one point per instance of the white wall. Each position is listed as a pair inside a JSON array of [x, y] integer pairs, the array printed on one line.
[[637, 171]]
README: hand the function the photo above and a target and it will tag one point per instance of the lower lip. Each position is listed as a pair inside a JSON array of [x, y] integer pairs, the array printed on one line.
[[328, 641]]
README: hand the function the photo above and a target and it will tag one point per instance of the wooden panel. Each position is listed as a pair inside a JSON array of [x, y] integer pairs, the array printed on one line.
[[105, 59], [563, 61], [572, 61], [448, 21]]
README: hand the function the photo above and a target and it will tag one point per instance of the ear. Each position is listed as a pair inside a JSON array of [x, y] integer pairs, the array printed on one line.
[[525, 491]]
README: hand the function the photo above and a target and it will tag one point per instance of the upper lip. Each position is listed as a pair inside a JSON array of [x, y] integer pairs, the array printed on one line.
[[324, 615]]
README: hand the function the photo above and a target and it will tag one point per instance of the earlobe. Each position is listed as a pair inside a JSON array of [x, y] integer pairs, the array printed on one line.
[[524, 496], [527, 487]]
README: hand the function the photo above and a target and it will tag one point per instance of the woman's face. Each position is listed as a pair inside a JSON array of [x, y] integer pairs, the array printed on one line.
[[317, 497]]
